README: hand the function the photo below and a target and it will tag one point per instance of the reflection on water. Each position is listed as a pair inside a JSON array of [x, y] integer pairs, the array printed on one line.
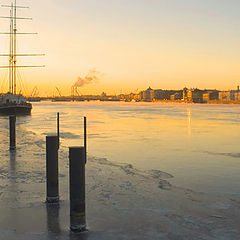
[[12, 163], [78, 236], [174, 138], [54, 228], [189, 121], [53, 224], [13, 186]]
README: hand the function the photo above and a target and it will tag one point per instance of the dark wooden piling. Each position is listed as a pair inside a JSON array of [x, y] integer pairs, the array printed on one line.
[[12, 132], [77, 189], [58, 129], [52, 169], [85, 138]]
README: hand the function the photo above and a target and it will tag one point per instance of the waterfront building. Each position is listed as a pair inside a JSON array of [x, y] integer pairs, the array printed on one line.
[[210, 95], [225, 96], [137, 97], [176, 96], [184, 98], [160, 94], [103, 96], [146, 95], [237, 96], [232, 95], [195, 95]]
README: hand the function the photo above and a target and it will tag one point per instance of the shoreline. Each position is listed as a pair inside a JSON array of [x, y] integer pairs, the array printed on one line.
[[155, 101]]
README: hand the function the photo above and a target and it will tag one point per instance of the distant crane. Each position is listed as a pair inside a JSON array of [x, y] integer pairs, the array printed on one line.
[[35, 92], [59, 92], [74, 91]]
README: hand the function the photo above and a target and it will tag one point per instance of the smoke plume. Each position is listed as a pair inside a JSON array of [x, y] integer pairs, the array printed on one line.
[[89, 78]]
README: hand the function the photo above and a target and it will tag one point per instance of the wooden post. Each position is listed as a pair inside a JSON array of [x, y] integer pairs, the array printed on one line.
[[85, 138], [77, 189], [52, 169], [58, 129]]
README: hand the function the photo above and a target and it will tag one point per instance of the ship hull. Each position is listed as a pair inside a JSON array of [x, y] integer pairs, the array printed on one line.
[[15, 109]]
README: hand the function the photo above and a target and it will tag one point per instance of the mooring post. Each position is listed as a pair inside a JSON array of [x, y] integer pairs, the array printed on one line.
[[12, 132], [77, 189], [58, 129], [85, 138], [52, 169]]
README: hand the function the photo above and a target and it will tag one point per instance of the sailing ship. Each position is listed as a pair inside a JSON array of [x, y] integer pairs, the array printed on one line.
[[13, 103]]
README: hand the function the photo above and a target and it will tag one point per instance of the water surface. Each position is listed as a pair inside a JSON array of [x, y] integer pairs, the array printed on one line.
[[198, 144]]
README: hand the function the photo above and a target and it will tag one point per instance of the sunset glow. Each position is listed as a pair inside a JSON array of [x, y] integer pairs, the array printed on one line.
[[133, 44]]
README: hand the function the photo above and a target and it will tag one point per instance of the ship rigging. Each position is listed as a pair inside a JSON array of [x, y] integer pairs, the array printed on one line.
[[11, 102]]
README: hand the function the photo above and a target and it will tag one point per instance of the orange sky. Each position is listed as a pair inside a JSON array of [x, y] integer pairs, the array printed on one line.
[[136, 44]]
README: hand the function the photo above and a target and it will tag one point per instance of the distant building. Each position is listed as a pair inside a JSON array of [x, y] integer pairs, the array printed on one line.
[[103, 96], [176, 96], [146, 95], [130, 97], [234, 95], [121, 97], [159, 94], [184, 98], [210, 95], [225, 96], [237, 96], [137, 97], [195, 95], [162, 94]]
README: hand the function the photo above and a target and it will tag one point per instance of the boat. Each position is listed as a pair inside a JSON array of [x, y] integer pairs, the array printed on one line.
[[13, 102]]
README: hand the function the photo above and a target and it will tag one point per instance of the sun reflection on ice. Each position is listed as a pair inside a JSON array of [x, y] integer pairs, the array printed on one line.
[[189, 114]]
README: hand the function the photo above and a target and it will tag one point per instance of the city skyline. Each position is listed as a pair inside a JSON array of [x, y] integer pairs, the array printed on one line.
[[183, 95], [132, 44]]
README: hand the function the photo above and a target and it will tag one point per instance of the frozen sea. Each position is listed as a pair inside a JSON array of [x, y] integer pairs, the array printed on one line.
[[154, 171], [198, 144]]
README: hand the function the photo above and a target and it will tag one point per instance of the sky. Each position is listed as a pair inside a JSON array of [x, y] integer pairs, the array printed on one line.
[[132, 44]]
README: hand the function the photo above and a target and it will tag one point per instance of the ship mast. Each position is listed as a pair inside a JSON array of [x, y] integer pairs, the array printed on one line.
[[12, 67], [14, 47], [11, 51]]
